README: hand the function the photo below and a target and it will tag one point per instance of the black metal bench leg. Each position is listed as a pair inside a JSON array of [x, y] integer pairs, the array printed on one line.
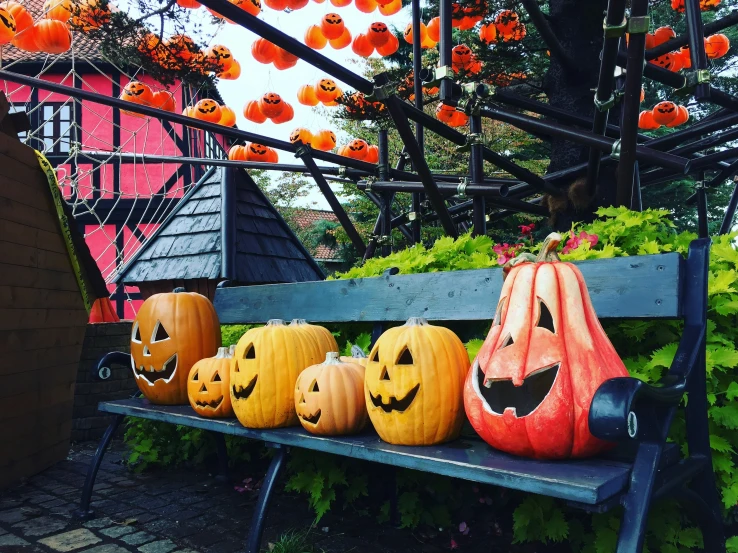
[[222, 451], [638, 499], [257, 520], [84, 511], [713, 533]]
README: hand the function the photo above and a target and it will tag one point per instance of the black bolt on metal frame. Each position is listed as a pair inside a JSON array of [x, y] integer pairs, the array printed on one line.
[[417, 197]]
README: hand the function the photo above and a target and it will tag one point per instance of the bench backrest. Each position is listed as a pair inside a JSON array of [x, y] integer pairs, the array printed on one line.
[[626, 287]]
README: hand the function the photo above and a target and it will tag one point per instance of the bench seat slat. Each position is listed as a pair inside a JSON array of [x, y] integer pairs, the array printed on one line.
[[624, 287], [589, 481]]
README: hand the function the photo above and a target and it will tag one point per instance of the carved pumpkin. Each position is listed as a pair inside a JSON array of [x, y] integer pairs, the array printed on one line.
[[277, 5], [233, 73], [326, 90], [52, 37], [297, 4], [506, 21], [324, 140], [238, 153], [252, 112], [263, 51], [378, 34], [190, 4], [257, 152], [163, 99], [171, 332], [7, 26], [322, 335], [272, 155], [342, 41], [667, 61], [366, 6], [391, 8], [58, 9], [306, 95], [530, 388], [301, 135], [458, 119], [362, 47], [663, 34], [716, 46], [329, 397], [408, 34], [488, 34], [444, 112], [24, 30], [208, 110], [252, 7], [357, 149], [288, 113], [389, 47], [208, 386], [314, 38], [681, 118], [227, 116], [264, 372], [219, 56], [665, 112], [646, 122], [332, 26], [461, 54], [271, 104], [138, 93]]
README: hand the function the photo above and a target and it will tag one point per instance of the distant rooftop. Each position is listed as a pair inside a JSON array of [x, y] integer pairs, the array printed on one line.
[[307, 217]]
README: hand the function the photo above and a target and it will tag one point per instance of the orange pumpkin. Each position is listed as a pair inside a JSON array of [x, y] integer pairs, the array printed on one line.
[[220, 56], [277, 5], [233, 73], [208, 386], [357, 149], [238, 153], [409, 35], [227, 116], [362, 47], [190, 4], [531, 385], [52, 37], [297, 4], [252, 112], [445, 113], [390, 8], [434, 29], [252, 7], [667, 61], [287, 114], [257, 152], [306, 95], [663, 34], [314, 38], [646, 122], [324, 140], [372, 154], [460, 55], [163, 99], [342, 150], [378, 34], [90, 15], [138, 93], [716, 46], [506, 21], [271, 104], [681, 118], [389, 47], [332, 26], [458, 119], [284, 59], [326, 90], [302, 135], [488, 34], [7, 26], [263, 51], [340, 3], [171, 333], [342, 41], [366, 6], [61, 10], [272, 156], [665, 112], [24, 32], [208, 110]]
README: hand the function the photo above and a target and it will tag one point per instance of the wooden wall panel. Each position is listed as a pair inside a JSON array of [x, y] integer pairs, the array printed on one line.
[[42, 320]]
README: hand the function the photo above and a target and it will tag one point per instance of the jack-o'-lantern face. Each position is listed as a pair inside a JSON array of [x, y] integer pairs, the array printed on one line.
[[258, 149], [170, 333], [208, 383], [206, 106], [413, 384], [358, 145], [666, 61], [222, 52], [137, 91], [301, 135], [272, 99], [7, 26], [665, 112], [327, 85], [333, 19], [378, 28], [461, 53]]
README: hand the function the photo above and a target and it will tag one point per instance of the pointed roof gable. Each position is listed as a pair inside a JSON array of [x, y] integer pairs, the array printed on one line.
[[259, 247]]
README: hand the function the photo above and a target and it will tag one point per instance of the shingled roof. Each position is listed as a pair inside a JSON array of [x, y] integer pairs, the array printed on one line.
[[260, 248]]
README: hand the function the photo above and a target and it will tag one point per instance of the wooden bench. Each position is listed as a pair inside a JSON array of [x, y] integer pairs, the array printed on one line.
[[637, 415]]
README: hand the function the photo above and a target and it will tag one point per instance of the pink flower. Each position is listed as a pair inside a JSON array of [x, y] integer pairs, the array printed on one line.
[[454, 545], [505, 252], [575, 241], [527, 229]]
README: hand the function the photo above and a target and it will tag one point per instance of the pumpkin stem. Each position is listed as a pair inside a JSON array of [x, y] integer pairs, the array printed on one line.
[[232, 350], [178, 290], [298, 322], [223, 353], [416, 321], [275, 322], [548, 248], [331, 358]]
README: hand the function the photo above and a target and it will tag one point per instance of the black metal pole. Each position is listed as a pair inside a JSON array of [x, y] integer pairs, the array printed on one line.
[[701, 192], [387, 223], [548, 35], [636, 202], [445, 45], [418, 90], [228, 224], [656, 73], [727, 223], [697, 46], [723, 99], [304, 153], [683, 40], [476, 168], [378, 202]]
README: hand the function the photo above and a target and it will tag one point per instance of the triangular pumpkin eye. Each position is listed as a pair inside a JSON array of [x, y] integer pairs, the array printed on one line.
[[314, 387], [216, 378], [545, 319], [136, 334], [405, 358], [498, 313], [375, 356], [508, 341], [160, 333], [250, 352], [196, 377]]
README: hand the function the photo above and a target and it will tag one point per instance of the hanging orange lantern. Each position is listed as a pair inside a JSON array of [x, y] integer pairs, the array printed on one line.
[[445, 113], [327, 90], [252, 112], [390, 47], [391, 8], [488, 34], [7, 26], [277, 5], [257, 152], [306, 95], [301, 135], [61, 10], [252, 7], [190, 4], [314, 38], [372, 154], [434, 29], [342, 151], [428, 43], [663, 34], [342, 41], [227, 116], [220, 56], [238, 153], [362, 47], [288, 113], [272, 156], [460, 55], [208, 110], [24, 31], [324, 140], [233, 73], [409, 36], [163, 99], [332, 26], [366, 6], [284, 59], [271, 104], [506, 21], [297, 4], [458, 119], [340, 3], [681, 118], [263, 51], [716, 46], [357, 149], [646, 122], [53, 37], [378, 34]]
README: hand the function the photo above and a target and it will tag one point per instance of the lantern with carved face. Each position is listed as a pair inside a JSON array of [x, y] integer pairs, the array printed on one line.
[[207, 386], [332, 26], [264, 371], [413, 385], [321, 334], [329, 397], [530, 388], [171, 332], [7, 26], [208, 110]]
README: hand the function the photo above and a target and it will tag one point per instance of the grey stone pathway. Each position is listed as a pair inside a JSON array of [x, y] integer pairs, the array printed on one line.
[[149, 513]]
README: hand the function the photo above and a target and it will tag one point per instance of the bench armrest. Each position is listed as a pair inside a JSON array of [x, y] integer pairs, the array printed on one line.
[[102, 369], [628, 408]]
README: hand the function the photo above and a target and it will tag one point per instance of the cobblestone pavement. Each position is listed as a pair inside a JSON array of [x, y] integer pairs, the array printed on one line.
[[184, 513]]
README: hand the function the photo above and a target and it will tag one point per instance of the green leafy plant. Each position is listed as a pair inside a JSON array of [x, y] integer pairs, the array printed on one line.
[[294, 541]]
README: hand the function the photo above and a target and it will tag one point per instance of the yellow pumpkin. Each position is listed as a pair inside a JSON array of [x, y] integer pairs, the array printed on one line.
[[329, 397], [414, 383], [324, 337], [171, 333], [264, 371], [207, 386]]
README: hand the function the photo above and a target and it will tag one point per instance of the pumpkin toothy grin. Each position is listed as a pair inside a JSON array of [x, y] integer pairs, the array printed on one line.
[[212, 404], [239, 392], [394, 404], [500, 395], [151, 375], [312, 419]]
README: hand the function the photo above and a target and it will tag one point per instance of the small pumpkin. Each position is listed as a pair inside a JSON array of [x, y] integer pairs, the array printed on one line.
[[326, 90], [531, 385], [329, 397], [409, 35], [362, 47], [276, 5], [163, 99], [7, 26], [24, 31], [389, 47], [506, 22], [461, 54], [445, 113], [667, 61], [52, 37], [171, 333], [263, 51], [264, 372], [342, 41], [233, 72], [413, 384], [314, 38], [208, 386], [324, 140], [257, 152], [61, 10], [332, 25], [488, 34], [716, 46], [252, 112], [208, 110], [681, 118], [288, 113], [227, 116], [372, 154], [357, 149], [220, 56], [663, 34], [238, 153], [646, 122], [138, 93], [665, 112], [301, 135], [271, 104], [306, 95], [366, 6], [378, 34], [390, 8]]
